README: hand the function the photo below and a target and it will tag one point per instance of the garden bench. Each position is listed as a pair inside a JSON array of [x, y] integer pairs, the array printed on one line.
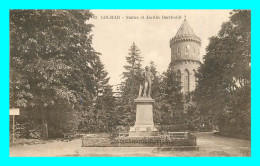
[[123, 134], [68, 136]]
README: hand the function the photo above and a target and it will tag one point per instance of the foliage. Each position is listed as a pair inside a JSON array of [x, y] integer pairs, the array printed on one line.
[[130, 86], [60, 84], [55, 73], [162, 140], [169, 103], [172, 128], [224, 79]]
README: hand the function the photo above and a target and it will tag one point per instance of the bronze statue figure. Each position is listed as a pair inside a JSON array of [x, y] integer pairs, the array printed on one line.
[[146, 83]]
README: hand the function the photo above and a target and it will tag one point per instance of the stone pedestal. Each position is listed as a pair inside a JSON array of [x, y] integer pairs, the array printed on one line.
[[144, 125]]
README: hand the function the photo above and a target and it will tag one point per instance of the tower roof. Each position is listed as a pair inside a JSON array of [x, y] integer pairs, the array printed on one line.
[[185, 30]]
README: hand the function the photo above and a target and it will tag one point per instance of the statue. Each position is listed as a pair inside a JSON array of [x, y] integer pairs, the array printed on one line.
[[146, 83]]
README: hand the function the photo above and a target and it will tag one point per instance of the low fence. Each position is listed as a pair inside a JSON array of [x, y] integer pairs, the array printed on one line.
[[167, 140]]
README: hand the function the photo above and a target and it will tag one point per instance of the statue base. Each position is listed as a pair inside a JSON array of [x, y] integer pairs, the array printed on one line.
[[144, 125]]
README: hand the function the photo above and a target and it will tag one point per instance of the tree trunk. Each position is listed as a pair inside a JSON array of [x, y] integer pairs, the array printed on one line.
[[45, 125], [46, 129]]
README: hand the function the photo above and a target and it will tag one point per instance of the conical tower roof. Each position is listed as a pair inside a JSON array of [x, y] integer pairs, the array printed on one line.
[[185, 45], [185, 30]]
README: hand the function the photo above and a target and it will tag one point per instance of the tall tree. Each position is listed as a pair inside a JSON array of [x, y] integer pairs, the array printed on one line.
[[156, 81], [52, 66], [130, 85], [107, 107], [224, 79], [171, 100], [95, 117]]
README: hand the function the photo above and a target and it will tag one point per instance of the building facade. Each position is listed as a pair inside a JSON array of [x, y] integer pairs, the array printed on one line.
[[185, 56]]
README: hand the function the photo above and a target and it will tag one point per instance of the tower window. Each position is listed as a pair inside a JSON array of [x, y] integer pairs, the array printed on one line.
[[178, 50], [186, 78], [187, 49], [186, 86], [194, 50], [178, 76]]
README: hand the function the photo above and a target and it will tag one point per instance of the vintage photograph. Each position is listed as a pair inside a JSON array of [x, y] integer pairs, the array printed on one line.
[[130, 83]]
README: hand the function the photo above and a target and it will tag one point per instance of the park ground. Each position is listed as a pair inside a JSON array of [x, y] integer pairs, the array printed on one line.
[[209, 145]]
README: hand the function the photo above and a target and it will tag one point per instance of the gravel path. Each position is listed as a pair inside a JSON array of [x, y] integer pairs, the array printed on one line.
[[209, 145]]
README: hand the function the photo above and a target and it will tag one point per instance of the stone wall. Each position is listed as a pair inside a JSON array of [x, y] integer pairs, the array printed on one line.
[[185, 50]]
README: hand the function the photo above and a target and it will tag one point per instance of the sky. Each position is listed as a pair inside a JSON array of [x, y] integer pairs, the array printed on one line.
[[112, 37]]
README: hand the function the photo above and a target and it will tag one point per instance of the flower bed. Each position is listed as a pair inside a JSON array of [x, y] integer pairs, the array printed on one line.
[[178, 139], [164, 140]]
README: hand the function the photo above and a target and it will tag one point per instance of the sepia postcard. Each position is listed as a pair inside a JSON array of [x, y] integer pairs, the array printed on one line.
[[152, 83]]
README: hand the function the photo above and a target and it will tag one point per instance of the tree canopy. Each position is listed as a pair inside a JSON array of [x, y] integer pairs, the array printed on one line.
[[53, 66], [58, 81], [224, 79]]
